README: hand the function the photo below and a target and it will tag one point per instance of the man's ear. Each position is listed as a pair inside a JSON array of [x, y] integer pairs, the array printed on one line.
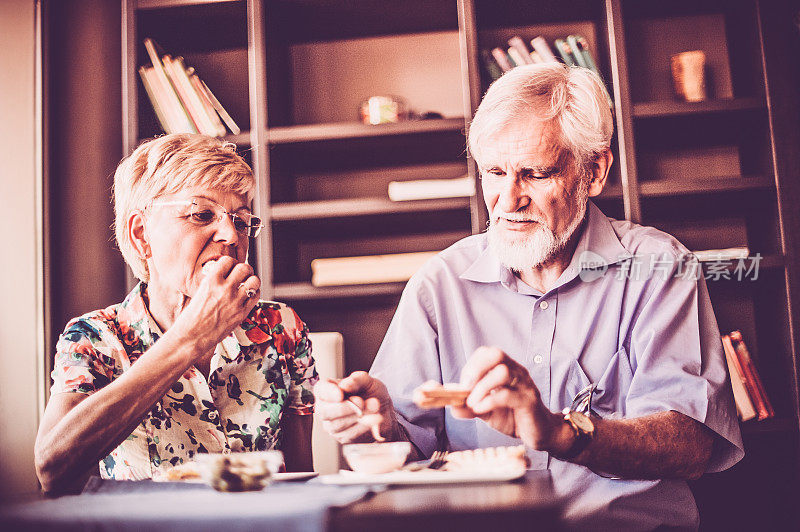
[[137, 234], [598, 173]]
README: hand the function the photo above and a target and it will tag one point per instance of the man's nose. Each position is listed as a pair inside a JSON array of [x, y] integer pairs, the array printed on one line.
[[512, 198]]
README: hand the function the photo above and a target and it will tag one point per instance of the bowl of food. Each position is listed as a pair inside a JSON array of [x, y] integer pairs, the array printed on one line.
[[371, 458], [239, 471]]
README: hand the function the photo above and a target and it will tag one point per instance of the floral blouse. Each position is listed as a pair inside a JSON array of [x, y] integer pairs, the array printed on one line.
[[261, 371]]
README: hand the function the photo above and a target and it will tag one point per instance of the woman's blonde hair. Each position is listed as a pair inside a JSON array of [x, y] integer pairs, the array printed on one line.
[[169, 164], [573, 98]]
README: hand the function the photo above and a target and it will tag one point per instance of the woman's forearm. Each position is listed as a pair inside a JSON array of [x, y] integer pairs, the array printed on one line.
[[72, 441]]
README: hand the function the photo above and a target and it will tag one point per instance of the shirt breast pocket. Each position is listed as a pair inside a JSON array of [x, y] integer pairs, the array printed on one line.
[[611, 389]]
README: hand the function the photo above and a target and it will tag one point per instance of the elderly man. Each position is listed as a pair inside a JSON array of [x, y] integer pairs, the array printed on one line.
[[559, 293]]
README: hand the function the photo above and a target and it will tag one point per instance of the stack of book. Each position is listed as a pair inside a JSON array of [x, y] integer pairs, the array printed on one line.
[[748, 390], [422, 189], [572, 50], [182, 102], [368, 269]]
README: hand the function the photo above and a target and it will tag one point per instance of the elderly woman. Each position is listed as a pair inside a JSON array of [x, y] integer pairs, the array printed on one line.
[[191, 361]]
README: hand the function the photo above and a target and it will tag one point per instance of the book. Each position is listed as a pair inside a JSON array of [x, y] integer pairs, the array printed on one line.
[[543, 49], [209, 108], [367, 269], [173, 109], [503, 61], [516, 57], [580, 49], [516, 43], [146, 73], [564, 51], [744, 406], [751, 378], [492, 68], [726, 254], [221, 110], [171, 69], [431, 188]]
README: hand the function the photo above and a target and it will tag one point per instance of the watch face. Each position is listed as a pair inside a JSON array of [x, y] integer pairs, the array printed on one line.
[[582, 422]]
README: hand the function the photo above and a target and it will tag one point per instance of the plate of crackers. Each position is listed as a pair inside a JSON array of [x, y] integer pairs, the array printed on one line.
[[494, 464]]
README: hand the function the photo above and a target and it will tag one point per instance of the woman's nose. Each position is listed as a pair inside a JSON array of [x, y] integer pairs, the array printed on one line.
[[225, 231]]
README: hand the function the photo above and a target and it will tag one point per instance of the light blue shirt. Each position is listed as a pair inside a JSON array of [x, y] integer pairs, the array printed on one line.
[[626, 315]]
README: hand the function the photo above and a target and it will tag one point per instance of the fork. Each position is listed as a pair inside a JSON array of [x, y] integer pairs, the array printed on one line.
[[438, 460]]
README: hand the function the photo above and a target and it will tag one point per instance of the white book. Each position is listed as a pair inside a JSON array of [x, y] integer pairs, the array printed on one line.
[[713, 255], [543, 49], [367, 269], [431, 189]]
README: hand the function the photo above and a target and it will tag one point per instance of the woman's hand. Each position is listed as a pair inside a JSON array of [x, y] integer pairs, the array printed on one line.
[[505, 397], [224, 298]]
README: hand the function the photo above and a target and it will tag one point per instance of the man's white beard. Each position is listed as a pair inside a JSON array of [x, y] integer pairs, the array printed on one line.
[[524, 252]]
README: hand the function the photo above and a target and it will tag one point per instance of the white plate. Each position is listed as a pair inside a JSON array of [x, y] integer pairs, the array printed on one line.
[[298, 475], [425, 476]]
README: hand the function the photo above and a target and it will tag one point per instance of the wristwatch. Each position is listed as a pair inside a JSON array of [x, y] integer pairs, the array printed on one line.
[[584, 432]]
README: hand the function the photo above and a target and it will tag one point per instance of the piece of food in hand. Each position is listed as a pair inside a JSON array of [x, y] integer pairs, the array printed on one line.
[[433, 394], [207, 266], [488, 459]]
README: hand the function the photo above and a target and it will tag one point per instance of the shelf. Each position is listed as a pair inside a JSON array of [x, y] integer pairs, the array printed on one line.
[[669, 187], [307, 291], [353, 130], [769, 426], [307, 210], [676, 108], [158, 4], [767, 262]]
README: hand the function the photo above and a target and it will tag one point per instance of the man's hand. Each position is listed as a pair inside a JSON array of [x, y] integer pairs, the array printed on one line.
[[351, 406], [505, 397]]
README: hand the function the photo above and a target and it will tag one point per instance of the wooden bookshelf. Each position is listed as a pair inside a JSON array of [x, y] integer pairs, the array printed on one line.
[[351, 130], [718, 173]]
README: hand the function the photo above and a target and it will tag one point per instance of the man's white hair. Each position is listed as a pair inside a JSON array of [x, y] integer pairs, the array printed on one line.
[[573, 98]]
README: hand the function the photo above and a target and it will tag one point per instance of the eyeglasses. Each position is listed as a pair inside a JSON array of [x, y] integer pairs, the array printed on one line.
[[203, 211]]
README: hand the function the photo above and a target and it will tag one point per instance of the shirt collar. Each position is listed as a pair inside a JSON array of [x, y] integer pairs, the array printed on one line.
[[598, 247], [133, 310]]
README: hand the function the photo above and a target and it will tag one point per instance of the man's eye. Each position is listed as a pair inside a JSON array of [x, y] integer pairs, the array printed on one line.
[[204, 216], [537, 175]]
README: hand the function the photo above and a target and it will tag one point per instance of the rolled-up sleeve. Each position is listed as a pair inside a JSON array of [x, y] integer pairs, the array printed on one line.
[[678, 362], [408, 357]]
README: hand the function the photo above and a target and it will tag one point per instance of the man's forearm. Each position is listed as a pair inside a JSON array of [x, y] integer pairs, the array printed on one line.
[[663, 445]]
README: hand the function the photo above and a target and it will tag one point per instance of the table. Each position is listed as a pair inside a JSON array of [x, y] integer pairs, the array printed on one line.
[[529, 504]]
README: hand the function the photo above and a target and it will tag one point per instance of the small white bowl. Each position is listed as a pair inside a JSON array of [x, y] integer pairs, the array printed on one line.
[[239, 471], [371, 458]]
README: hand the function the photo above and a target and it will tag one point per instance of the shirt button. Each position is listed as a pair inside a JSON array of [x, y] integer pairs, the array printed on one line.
[[543, 305], [538, 359]]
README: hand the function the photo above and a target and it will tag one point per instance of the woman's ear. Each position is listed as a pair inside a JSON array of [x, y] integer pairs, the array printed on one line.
[[598, 172], [137, 234]]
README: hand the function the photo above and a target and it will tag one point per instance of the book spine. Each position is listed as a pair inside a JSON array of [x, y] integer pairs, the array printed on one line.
[[490, 65], [174, 108], [588, 58], [744, 406], [764, 405], [144, 72], [580, 59], [170, 67], [541, 46], [195, 103], [564, 51], [219, 127], [517, 58], [221, 110], [748, 383], [516, 43], [502, 59]]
